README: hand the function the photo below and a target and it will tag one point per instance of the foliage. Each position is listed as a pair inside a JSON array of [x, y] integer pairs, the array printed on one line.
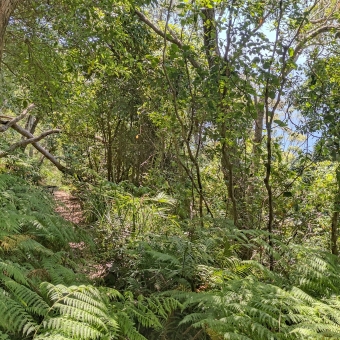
[[185, 130], [222, 296], [38, 275]]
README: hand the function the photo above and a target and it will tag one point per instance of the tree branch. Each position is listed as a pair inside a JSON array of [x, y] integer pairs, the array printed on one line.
[[323, 29], [28, 141], [329, 16], [42, 150], [169, 37], [16, 119]]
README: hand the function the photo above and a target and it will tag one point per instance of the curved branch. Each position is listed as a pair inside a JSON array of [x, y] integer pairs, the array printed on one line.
[[313, 34], [169, 37]]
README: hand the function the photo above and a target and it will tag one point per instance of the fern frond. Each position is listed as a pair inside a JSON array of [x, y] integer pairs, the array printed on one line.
[[14, 318], [57, 272], [72, 328], [48, 336], [4, 336], [81, 312], [127, 327], [31, 301], [163, 257], [13, 270]]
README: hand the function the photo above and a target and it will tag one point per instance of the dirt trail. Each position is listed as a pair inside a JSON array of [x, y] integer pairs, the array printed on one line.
[[68, 207]]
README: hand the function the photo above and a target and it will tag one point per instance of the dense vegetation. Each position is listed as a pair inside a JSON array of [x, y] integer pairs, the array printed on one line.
[[202, 139]]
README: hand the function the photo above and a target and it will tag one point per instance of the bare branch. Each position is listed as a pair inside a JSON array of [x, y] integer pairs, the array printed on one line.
[[313, 34], [16, 119], [328, 17]]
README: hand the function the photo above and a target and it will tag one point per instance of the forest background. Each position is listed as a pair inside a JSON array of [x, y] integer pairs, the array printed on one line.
[[202, 140]]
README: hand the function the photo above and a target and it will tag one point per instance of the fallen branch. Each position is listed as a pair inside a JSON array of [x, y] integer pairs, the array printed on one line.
[[42, 150], [34, 142], [28, 141]]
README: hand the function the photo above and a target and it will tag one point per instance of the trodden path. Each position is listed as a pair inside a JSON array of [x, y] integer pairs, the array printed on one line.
[[68, 207]]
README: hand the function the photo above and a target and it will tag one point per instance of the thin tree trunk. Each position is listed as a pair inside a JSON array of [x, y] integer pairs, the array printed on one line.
[[30, 126], [335, 217], [228, 174], [109, 161], [334, 235], [210, 36], [258, 130]]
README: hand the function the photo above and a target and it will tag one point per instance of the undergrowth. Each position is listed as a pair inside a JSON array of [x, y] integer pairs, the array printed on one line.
[[169, 278], [42, 293]]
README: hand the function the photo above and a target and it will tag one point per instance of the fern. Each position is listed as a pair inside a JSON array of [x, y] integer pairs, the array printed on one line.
[[42, 296], [27, 255], [4, 336], [315, 271], [258, 310], [13, 316], [32, 302], [147, 314], [77, 312]]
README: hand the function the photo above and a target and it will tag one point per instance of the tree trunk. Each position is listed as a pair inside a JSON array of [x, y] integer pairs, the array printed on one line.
[[335, 217], [7, 7], [258, 128], [30, 126], [334, 235], [210, 36]]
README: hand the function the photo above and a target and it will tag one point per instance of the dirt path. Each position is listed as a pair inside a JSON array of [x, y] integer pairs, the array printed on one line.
[[68, 207]]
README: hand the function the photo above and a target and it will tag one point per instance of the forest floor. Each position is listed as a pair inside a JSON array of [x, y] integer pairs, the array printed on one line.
[[69, 207]]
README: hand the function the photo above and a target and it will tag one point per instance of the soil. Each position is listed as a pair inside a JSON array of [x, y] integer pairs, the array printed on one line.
[[69, 207]]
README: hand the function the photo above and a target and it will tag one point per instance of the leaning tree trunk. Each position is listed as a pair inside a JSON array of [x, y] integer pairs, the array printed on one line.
[[7, 7]]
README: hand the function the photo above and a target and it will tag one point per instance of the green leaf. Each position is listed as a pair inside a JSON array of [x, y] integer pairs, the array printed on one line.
[[280, 123], [291, 51]]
